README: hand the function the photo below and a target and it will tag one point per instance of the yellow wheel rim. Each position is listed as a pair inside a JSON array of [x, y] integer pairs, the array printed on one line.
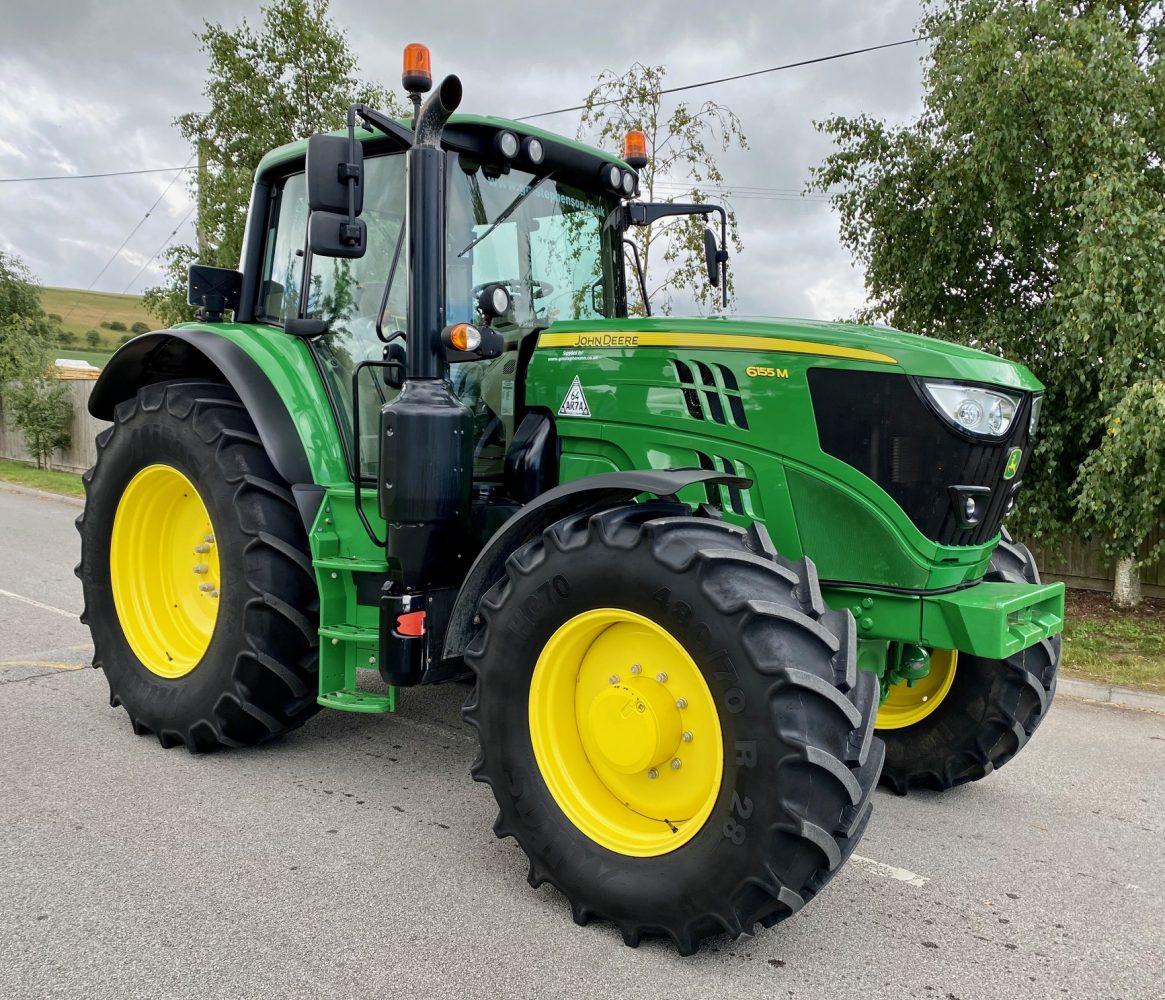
[[904, 706], [164, 570], [626, 733]]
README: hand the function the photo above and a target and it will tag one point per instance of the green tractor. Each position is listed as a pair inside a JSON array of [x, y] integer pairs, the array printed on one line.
[[712, 578]]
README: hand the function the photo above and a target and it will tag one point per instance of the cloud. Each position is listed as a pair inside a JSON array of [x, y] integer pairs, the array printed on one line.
[[98, 90]]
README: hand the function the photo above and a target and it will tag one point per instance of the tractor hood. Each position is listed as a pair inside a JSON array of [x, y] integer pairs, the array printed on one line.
[[876, 346]]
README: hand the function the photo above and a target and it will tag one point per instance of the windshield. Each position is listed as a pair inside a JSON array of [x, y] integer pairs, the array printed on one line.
[[542, 239]]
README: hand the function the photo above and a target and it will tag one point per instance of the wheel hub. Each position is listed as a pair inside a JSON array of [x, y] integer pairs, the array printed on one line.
[[625, 732], [633, 727], [164, 571]]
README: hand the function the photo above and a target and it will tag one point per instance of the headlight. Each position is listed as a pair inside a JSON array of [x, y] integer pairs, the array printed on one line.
[[986, 412], [1034, 422]]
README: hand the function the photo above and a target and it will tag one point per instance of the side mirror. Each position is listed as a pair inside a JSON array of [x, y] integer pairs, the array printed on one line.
[[330, 234], [330, 171], [335, 196], [712, 257]]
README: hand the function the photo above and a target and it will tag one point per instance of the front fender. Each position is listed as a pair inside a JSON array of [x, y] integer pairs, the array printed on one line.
[[593, 493], [272, 373]]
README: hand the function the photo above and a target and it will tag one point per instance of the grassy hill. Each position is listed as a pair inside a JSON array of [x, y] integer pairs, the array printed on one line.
[[81, 311]]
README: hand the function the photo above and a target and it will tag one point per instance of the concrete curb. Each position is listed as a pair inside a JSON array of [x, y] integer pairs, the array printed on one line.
[[1110, 694], [28, 491]]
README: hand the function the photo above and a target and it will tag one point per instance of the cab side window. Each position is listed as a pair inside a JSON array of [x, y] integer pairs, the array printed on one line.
[[283, 260]]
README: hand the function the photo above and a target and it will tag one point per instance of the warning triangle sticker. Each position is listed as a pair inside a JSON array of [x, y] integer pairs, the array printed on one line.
[[575, 404]]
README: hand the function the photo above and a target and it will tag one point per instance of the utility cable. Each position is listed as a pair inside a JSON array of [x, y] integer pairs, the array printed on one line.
[[132, 232], [85, 177], [742, 76]]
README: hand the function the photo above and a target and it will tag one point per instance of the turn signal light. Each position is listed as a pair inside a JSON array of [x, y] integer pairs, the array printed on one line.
[[635, 149], [417, 75], [464, 337]]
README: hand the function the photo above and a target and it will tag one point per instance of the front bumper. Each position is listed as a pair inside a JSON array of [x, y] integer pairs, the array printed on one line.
[[991, 620]]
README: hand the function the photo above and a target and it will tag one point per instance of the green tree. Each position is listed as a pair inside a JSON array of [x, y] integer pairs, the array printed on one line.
[[1022, 214], [43, 411], [92, 338], [1124, 483], [290, 78], [139, 327], [24, 328], [682, 142]]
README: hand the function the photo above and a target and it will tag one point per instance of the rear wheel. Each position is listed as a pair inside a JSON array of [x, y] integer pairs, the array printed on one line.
[[672, 722], [969, 715], [199, 591]]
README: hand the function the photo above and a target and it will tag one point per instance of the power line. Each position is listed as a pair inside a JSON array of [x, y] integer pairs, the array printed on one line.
[[165, 243], [150, 260], [742, 76], [85, 177], [117, 253]]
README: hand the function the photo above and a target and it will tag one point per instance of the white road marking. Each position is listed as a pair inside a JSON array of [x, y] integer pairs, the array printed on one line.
[[53, 664], [899, 874], [37, 604]]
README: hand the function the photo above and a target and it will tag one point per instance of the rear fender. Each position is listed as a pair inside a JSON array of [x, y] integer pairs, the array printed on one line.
[[273, 375]]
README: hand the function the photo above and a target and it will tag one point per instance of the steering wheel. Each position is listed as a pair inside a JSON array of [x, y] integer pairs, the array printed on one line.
[[515, 286]]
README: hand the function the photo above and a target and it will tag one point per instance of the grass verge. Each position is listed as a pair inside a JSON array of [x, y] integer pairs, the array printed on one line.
[[66, 483], [1112, 647]]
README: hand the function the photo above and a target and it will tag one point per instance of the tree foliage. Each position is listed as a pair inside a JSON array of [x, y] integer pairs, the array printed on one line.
[[25, 331], [291, 77], [1022, 214], [1124, 479], [681, 148], [43, 411]]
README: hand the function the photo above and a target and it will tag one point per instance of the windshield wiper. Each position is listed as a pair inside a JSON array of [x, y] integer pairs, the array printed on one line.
[[509, 210]]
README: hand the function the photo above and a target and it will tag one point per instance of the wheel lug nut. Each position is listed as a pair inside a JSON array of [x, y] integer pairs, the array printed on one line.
[[202, 548], [201, 568], [653, 773], [206, 588], [209, 539], [681, 703], [687, 736], [661, 677], [636, 668], [676, 764], [614, 678]]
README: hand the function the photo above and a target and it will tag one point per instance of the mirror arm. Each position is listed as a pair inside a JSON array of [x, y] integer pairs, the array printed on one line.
[[640, 274]]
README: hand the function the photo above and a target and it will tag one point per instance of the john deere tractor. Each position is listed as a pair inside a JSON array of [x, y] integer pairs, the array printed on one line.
[[712, 578]]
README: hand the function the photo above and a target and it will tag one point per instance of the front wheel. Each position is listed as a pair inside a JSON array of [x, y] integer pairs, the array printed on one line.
[[671, 722], [969, 715]]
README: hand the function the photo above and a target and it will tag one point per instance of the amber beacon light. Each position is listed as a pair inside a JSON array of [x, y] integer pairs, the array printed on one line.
[[635, 149], [417, 75]]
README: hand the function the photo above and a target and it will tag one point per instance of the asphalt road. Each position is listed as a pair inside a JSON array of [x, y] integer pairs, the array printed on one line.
[[355, 858]]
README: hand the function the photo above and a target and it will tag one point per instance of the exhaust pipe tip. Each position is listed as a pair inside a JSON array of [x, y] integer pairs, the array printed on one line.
[[435, 112]]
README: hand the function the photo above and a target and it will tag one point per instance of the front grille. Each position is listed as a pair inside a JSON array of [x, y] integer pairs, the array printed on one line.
[[880, 424]]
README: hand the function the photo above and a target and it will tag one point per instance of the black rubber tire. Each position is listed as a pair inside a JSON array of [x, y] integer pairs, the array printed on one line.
[[800, 757], [991, 710], [258, 678]]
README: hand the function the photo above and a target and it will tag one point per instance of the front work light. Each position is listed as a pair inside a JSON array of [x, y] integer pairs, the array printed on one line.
[[970, 408], [535, 151], [507, 144]]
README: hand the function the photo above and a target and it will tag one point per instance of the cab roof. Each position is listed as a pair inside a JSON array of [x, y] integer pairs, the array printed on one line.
[[458, 125]]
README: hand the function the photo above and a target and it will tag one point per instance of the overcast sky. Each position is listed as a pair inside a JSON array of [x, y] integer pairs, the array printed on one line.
[[87, 87]]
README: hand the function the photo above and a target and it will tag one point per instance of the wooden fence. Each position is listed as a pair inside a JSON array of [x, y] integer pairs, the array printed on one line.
[[1078, 563], [81, 454], [1084, 565]]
